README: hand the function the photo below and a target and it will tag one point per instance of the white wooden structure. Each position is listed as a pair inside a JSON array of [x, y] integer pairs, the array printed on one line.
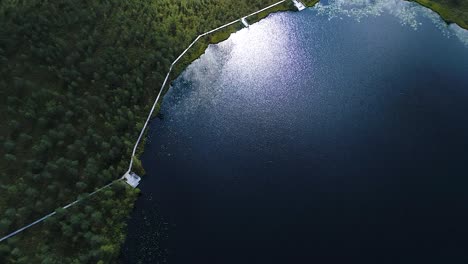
[[244, 21], [300, 6], [132, 179]]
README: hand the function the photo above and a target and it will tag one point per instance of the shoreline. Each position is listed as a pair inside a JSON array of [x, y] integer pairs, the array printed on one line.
[[225, 33], [442, 12]]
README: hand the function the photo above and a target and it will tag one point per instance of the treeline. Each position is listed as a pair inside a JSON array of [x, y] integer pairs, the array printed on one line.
[[76, 82]]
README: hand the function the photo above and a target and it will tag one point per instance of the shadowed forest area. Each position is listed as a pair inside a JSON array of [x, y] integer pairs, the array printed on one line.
[[77, 79]]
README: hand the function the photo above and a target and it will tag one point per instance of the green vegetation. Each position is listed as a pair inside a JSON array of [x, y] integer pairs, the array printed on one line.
[[88, 233], [77, 79], [452, 11]]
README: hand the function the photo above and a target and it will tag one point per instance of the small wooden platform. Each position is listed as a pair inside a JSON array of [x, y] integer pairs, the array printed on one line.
[[132, 179], [300, 6], [244, 21]]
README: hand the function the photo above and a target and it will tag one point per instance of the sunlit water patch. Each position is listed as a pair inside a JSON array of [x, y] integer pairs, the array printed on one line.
[[408, 13]]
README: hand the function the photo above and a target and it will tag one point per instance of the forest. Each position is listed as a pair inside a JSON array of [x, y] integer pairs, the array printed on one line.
[[77, 79]]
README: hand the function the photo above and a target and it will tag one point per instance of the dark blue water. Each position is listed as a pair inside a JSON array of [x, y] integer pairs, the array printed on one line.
[[309, 140]]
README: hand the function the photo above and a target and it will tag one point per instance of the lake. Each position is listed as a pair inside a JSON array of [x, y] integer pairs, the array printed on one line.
[[338, 134]]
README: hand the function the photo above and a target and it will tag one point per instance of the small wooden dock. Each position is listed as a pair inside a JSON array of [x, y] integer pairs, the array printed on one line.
[[299, 5], [244, 21], [132, 179]]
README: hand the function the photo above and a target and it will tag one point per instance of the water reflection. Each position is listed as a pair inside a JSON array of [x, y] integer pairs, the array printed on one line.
[[260, 48], [409, 14]]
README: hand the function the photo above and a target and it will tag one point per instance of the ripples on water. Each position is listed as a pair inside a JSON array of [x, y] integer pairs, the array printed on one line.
[[408, 13]]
